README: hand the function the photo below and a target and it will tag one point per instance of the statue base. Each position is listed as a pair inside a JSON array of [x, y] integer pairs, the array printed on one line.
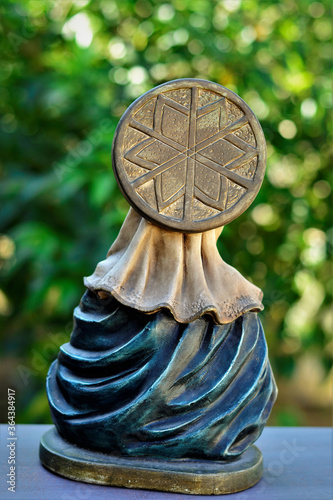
[[200, 477]]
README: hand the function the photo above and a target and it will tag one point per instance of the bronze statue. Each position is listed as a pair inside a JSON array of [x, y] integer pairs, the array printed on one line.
[[165, 383]]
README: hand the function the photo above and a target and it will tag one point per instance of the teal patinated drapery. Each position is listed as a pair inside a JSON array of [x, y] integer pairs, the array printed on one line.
[[138, 384]]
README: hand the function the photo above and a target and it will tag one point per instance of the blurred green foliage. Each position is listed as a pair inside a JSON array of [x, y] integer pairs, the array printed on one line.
[[69, 70]]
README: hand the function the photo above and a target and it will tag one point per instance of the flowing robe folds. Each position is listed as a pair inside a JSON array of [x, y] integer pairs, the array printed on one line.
[[167, 357]]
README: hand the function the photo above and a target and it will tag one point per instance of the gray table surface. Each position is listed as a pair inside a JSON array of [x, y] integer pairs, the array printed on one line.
[[297, 466]]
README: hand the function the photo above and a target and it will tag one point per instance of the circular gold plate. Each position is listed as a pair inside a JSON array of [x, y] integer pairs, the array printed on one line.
[[189, 155], [200, 477]]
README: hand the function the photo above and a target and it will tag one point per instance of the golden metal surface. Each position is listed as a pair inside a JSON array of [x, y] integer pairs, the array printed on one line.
[[189, 155], [204, 477]]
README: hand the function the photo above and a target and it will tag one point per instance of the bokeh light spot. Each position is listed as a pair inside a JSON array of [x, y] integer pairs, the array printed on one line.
[[323, 29], [195, 47], [79, 27], [159, 72], [287, 129], [248, 35], [7, 247], [322, 189], [137, 75], [117, 49], [316, 9], [255, 245], [232, 5], [257, 104], [308, 108], [180, 36], [303, 313], [5, 305], [165, 12], [315, 252], [81, 3], [263, 215], [119, 76], [283, 173]]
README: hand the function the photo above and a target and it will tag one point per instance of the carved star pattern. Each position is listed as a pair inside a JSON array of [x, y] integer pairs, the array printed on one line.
[[195, 152]]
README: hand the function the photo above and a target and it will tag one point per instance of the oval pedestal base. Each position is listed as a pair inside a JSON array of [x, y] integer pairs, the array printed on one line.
[[201, 477]]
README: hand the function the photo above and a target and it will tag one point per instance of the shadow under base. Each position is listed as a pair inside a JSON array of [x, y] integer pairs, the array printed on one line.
[[201, 477]]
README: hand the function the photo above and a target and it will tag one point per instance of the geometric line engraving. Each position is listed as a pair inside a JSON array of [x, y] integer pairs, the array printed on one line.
[[195, 142]]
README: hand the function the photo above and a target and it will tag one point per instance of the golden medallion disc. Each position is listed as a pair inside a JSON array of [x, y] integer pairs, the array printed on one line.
[[189, 155]]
